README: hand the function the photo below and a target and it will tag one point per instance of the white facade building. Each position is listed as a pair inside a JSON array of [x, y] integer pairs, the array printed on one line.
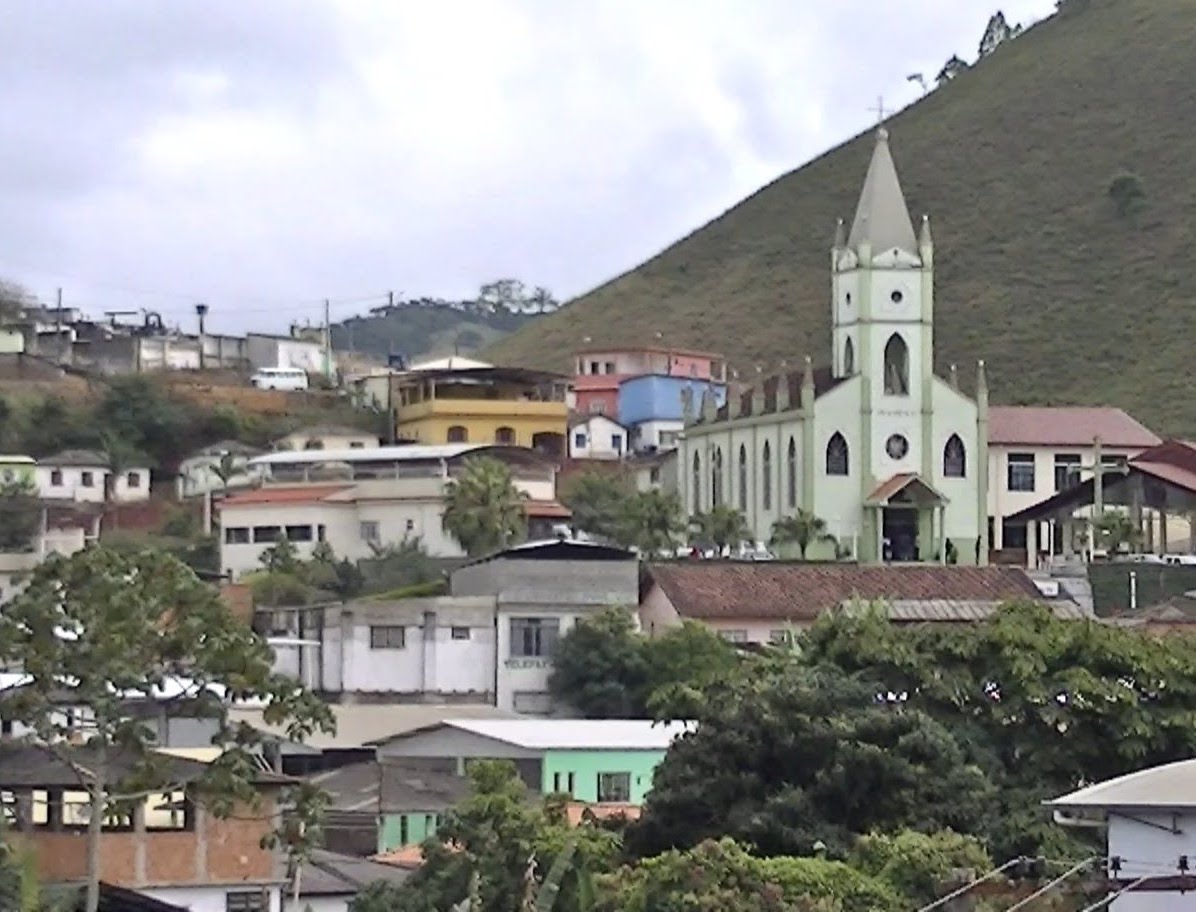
[[1033, 453], [420, 646], [327, 437], [286, 351], [597, 437], [1150, 820], [214, 898], [655, 435], [81, 476]]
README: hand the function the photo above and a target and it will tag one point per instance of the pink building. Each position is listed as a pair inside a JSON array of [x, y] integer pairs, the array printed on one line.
[[599, 371]]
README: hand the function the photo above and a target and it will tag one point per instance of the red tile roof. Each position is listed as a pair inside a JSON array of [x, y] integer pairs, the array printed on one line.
[[548, 509], [886, 490], [1009, 425], [713, 589], [281, 496]]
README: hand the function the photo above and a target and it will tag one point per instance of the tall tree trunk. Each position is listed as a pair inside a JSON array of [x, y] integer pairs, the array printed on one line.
[[94, 833]]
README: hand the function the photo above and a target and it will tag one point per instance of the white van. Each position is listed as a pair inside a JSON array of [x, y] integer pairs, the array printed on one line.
[[279, 378]]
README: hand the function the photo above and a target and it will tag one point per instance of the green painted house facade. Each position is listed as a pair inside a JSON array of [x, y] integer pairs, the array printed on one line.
[[593, 761]]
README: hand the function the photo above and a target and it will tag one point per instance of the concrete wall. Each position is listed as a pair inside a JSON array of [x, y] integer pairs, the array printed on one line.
[[278, 351]]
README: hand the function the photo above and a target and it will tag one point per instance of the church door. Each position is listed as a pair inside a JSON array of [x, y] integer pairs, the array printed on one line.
[[900, 533]]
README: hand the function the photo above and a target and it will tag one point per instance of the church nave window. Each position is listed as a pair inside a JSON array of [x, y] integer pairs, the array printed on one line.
[[955, 458], [848, 358], [836, 455], [716, 477], [743, 479], [766, 480], [896, 366], [791, 474], [697, 484]]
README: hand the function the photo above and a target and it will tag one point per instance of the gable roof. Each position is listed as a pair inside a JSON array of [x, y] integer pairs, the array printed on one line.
[[902, 481], [73, 897], [1172, 785], [328, 873], [372, 787], [1010, 425], [571, 734], [77, 458], [800, 591]]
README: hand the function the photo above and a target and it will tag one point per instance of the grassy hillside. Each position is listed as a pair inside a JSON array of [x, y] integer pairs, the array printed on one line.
[[1036, 271]]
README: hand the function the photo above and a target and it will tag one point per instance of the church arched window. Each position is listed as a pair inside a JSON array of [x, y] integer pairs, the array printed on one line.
[[836, 455], [955, 458], [766, 480], [743, 479], [697, 484], [848, 358], [791, 474], [716, 478], [896, 366]]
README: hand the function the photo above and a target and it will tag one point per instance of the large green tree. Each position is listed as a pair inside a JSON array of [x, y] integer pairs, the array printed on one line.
[[791, 758], [483, 510], [598, 501], [101, 625], [20, 515], [652, 522]]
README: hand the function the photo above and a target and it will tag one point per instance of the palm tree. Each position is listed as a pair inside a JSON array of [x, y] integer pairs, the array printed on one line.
[[225, 469], [723, 525], [651, 522], [483, 510], [803, 528]]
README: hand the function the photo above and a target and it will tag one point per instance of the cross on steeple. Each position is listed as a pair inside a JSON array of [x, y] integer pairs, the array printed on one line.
[[880, 110]]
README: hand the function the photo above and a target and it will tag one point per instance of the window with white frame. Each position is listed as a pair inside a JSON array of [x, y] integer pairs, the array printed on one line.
[[1020, 472], [614, 787], [388, 636], [533, 637]]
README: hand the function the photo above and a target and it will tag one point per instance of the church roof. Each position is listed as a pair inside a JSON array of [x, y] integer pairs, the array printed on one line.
[[824, 381], [902, 481], [881, 216]]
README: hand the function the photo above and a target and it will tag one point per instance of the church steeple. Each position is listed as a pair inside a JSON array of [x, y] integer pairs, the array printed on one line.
[[881, 216]]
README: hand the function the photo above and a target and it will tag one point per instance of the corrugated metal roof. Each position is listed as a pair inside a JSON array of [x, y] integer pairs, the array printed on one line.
[[576, 734], [1172, 785], [358, 725]]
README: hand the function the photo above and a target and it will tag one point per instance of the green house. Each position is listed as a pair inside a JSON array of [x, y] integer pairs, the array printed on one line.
[[602, 762]]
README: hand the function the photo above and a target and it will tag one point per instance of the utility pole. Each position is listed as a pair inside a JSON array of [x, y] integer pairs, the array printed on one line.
[[201, 311], [327, 339]]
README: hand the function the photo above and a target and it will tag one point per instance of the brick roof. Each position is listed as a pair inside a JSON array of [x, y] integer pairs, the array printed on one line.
[[774, 590], [1009, 425], [282, 495]]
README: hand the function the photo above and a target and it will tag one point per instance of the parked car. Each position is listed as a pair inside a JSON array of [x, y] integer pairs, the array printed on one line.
[[280, 378]]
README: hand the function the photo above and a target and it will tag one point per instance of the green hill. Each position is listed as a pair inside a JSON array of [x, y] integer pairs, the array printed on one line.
[[1037, 271]]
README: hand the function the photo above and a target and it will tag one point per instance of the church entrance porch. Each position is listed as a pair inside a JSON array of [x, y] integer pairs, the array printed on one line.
[[908, 519]]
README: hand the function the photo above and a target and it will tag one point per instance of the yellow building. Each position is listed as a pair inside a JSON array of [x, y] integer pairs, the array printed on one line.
[[494, 405]]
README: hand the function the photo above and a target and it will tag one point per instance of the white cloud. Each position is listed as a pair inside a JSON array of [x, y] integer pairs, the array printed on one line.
[[264, 164]]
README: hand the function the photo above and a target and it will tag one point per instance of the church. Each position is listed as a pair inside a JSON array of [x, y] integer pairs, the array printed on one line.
[[891, 457]]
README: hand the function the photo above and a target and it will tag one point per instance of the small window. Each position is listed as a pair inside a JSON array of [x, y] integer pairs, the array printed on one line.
[[1067, 470], [133, 480], [616, 442], [357, 444], [597, 407], [896, 366], [955, 458], [534, 637], [1020, 475], [409, 525], [614, 787], [743, 479], [848, 358], [314, 444], [266, 534], [579, 441], [734, 636], [56, 478], [460, 633], [299, 533], [766, 479], [836, 455], [404, 832], [897, 446], [556, 782], [87, 479], [236, 535], [593, 367], [569, 783], [369, 531], [896, 297], [654, 475], [321, 532], [610, 367], [245, 901], [388, 637], [791, 474], [505, 436], [458, 434]]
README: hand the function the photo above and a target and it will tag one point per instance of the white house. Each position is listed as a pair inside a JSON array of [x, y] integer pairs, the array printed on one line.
[[656, 434], [597, 437], [1035, 452], [198, 472], [1150, 823], [287, 351], [359, 499], [541, 590], [81, 476], [396, 649], [327, 437], [16, 566]]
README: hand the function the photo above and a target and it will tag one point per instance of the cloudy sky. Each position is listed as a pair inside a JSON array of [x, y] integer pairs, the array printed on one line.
[[261, 155]]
